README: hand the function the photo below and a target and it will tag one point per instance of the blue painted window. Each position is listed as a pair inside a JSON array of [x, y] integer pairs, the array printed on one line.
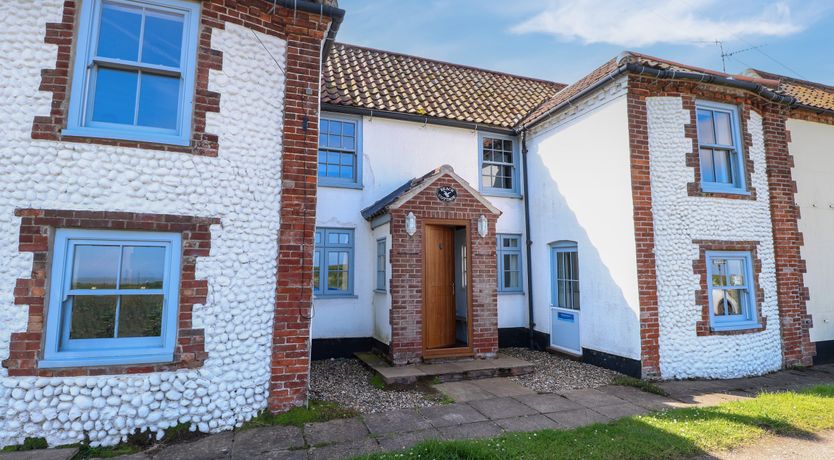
[[113, 298], [509, 263], [333, 262], [498, 161], [731, 287], [340, 152], [564, 260], [134, 70], [720, 155], [381, 265]]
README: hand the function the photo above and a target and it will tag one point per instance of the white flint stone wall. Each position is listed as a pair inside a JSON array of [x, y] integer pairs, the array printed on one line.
[[241, 186], [678, 220]]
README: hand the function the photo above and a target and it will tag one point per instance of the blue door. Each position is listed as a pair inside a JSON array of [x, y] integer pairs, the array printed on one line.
[[565, 305]]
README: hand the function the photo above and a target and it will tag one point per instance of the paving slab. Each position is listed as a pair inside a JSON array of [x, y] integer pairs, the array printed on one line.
[[344, 450], [334, 431], [592, 398], [502, 387], [214, 447], [406, 440], [463, 391], [529, 423], [451, 414], [546, 403], [621, 410], [267, 442], [471, 431], [398, 421], [502, 408], [640, 398], [40, 454], [577, 418]]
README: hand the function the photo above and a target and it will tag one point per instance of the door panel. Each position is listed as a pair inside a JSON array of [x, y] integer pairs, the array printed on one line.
[[439, 298]]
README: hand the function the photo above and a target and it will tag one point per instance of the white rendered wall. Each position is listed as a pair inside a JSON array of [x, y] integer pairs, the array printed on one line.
[[393, 153], [812, 148], [580, 172], [678, 220], [241, 187]]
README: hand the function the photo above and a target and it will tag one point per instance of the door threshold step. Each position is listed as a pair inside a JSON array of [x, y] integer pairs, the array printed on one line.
[[450, 371]]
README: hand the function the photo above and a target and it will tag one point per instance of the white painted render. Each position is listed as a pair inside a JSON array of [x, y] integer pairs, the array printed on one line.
[[241, 187], [678, 220], [812, 148], [393, 153], [580, 175]]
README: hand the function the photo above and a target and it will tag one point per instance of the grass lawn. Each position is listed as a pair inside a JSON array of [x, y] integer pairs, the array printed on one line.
[[670, 434], [319, 411]]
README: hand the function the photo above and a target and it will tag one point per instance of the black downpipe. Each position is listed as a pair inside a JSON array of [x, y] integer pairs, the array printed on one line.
[[530, 323]]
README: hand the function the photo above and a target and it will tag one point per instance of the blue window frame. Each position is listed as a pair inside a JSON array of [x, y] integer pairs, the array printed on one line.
[[720, 154], [134, 70], [730, 287], [564, 269], [113, 298], [498, 165], [509, 263], [333, 262], [381, 265], [340, 151]]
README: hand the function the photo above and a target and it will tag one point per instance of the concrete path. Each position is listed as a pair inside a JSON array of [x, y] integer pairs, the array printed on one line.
[[485, 408], [820, 447]]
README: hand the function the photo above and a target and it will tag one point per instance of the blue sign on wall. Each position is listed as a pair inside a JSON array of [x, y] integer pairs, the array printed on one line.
[[566, 316]]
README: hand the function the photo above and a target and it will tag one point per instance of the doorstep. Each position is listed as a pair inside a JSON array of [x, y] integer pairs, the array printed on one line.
[[468, 369]]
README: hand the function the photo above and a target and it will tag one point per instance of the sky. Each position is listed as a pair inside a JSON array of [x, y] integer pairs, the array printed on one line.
[[563, 40]]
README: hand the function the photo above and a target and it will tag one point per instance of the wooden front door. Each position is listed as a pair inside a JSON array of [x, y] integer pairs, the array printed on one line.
[[439, 295]]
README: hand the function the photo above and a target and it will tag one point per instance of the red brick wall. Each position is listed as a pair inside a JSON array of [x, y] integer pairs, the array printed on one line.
[[36, 228], [407, 272], [795, 322]]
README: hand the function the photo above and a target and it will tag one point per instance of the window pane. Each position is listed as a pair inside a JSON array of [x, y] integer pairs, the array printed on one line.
[[335, 127], [337, 271], [318, 238], [707, 166], [162, 40], [119, 32], [158, 101], [718, 308], [733, 301], [735, 272], [337, 260], [706, 132], [349, 129], [575, 295], [93, 317], [723, 167], [95, 267], [140, 316], [115, 96], [718, 272], [723, 128], [316, 270], [143, 267]]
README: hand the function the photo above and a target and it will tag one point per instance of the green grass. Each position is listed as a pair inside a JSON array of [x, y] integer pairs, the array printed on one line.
[[642, 385], [670, 434], [377, 381], [319, 411], [28, 444]]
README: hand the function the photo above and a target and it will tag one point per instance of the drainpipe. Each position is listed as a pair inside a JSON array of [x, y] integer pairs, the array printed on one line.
[[530, 323]]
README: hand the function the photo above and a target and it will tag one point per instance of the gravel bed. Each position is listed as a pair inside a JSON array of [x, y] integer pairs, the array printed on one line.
[[556, 373], [347, 382]]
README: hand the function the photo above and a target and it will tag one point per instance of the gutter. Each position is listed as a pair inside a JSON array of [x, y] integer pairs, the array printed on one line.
[[325, 107], [814, 110], [337, 15], [529, 243]]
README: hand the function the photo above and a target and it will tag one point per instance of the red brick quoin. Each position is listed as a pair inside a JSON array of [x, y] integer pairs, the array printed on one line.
[[36, 228], [407, 271]]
